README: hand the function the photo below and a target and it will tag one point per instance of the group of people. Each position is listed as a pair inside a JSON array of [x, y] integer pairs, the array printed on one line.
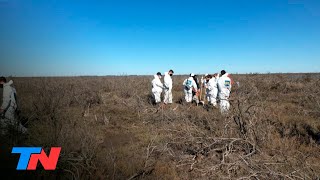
[[166, 86], [217, 89]]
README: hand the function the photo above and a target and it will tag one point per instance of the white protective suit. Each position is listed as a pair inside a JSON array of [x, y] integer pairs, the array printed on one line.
[[217, 77], [167, 88], [224, 89], [208, 96], [189, 84], [212, 91], [10, 106], [157, 87]]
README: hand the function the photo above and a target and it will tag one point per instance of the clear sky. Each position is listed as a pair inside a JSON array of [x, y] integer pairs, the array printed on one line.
[[77, 37]]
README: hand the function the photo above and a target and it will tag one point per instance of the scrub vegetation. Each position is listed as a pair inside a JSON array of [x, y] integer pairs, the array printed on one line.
[[109, 129]]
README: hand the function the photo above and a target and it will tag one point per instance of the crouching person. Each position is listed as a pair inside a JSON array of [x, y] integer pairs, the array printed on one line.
[[189, 86], [224, 88], [8, 109], [157, 88]]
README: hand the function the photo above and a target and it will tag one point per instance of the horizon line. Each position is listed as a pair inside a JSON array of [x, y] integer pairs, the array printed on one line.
[[124, 75]]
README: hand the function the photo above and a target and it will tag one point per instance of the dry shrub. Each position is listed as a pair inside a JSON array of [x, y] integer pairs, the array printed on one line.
[[108, 128]]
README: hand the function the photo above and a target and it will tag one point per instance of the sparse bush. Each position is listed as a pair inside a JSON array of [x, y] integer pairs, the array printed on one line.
[[108, 129]]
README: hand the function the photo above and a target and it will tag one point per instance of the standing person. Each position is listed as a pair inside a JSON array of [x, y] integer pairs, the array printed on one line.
[[157, 87], [204, 85], [216, 76], [212, 90], [224, 88], [168, 87], [195, 94], [189, 86], [8, 108]]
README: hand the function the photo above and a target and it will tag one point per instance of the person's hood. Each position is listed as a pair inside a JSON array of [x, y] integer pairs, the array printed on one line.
[[166, 74], [8, 83], [156, 76], [225, 75], [191, 78]]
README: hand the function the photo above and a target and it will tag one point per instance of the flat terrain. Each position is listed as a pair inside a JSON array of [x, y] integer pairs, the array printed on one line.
[[109, 129]]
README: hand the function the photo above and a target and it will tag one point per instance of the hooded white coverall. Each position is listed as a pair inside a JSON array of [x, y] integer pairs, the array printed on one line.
[[9, 106], [167, 88], [189, 84], [157, 87], [224, 88], [205, 82], [212, 91]]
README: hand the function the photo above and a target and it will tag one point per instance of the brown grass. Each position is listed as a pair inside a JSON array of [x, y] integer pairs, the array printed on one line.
[[108, 129]]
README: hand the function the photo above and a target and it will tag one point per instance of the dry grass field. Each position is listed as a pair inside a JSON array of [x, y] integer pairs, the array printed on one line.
[[109, 129]]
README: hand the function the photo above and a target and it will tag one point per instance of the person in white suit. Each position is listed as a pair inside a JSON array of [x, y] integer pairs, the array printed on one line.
[[8, 108], [212, 90], [168, 87], [224, 90], [157, 87], [190, 86]]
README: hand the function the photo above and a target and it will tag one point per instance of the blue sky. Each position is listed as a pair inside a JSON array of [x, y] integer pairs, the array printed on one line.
[[77, 37]]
